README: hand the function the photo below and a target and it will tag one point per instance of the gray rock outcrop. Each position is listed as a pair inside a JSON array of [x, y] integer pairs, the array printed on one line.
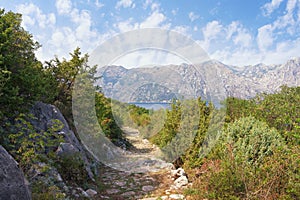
[[44, 114], [12, 181]]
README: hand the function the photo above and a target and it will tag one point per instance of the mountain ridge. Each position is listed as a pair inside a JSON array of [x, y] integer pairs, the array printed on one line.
[[210, 80]]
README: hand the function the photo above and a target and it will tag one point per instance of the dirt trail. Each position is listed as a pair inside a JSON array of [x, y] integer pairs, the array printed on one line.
[[119, 185]]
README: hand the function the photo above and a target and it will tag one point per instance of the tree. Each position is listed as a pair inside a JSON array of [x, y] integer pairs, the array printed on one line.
[[64, 74], [22, 78], [171, 125]]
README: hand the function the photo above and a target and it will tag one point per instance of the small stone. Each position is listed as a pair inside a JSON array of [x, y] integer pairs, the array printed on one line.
[[91, 192], [112, 191], [120, 183], [130, 193], [176, 196], [178, 172], [164, 197], [147, 188], [181, 181], [85, 194]]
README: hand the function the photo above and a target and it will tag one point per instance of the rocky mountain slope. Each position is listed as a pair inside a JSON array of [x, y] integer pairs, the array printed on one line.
[[211, 80]]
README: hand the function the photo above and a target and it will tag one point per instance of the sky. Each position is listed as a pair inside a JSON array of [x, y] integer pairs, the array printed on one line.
[[235, 32]]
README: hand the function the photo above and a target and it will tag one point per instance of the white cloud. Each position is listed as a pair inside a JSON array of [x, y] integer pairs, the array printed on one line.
[[243, 38], [298, 11], [147, 3], [238, 34], [148, 58], [153, 5], [27, 21], [265, 37], [291, 5], [63, 6], [125, 4], [231, 29], [174, 11], [59, 40], [211, 30], [181, 29], [126, 25], [268, 8], [154, 20], [193, 16], [98, 4], [33, 14]]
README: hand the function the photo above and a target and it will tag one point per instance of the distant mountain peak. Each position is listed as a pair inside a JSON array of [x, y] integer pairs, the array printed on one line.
[[190, 80]]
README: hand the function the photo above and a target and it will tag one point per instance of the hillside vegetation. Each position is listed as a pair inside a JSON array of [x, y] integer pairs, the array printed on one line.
[[256, 154], [24, 81], [254, 143]]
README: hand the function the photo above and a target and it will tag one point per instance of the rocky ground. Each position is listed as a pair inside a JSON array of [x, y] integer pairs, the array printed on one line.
[[165, 183]]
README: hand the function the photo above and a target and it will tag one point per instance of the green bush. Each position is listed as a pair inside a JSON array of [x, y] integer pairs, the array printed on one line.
[[42, 191], [254, 164], [29, 146], [72, 169]]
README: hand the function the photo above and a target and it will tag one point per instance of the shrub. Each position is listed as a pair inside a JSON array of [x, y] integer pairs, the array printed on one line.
[[72, 169], [254, 164]]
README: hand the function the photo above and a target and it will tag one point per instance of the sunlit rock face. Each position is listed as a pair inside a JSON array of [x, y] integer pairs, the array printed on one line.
[[12, 182]]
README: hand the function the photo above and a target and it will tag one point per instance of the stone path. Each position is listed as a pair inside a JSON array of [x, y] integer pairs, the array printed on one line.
[[154, 184]]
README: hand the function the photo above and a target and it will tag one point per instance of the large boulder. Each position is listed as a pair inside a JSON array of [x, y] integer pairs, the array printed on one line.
[[12, 181], [44, 114]]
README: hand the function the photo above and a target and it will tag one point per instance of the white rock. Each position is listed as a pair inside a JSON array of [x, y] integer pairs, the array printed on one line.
[[181, 172], [85, 194], [176, 196], [181, 181], [112, 191], [147, 188], [129, 193], [145, 141], [91, 192], [178, 172]]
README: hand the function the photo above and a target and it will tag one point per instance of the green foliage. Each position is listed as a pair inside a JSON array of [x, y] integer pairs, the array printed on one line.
[[64, 74], [254, 164], [40, 190], [29, 146], [171, 126], [148, 122], [140, 116], [72, 168], [106, 118], [251, 140], [22, 78], [237, 108], [246, 146], [279, 110], [192, 157]]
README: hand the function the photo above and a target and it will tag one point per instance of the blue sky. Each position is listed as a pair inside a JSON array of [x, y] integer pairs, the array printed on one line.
[[232, 31]]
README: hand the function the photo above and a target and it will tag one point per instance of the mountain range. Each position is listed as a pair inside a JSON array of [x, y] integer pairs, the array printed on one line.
[[212, 80]]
